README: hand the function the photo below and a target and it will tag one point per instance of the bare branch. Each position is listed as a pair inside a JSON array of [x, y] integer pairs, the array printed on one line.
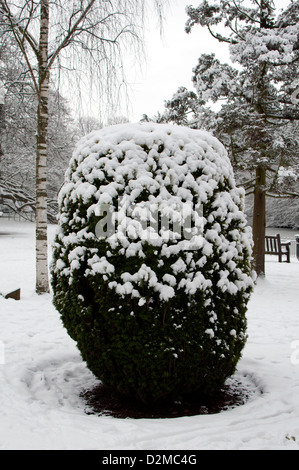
[[16, 27], [71, 33]]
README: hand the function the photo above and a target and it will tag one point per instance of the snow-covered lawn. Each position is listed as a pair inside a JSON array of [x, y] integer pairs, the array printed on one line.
[[42, 374]]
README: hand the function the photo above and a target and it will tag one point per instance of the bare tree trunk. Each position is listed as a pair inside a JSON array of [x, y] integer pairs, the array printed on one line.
[[42, 275], [259, 220]]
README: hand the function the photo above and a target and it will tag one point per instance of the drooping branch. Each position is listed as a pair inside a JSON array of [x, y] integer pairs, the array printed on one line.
[[18, 200], [22, 36], [66, 41], [15, 25]]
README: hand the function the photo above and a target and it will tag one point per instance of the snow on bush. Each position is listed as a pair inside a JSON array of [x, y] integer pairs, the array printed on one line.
[[152, 260]]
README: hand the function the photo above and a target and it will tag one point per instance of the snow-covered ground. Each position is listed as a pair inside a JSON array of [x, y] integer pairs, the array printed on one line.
[[42, 374]]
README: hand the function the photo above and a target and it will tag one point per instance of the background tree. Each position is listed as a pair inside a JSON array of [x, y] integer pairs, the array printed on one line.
[[53, 39], [258, 105], [18, 139], [185, 108], [87, 124]]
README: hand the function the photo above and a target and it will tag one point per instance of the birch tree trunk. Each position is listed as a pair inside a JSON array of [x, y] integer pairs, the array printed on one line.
[[42, 275]]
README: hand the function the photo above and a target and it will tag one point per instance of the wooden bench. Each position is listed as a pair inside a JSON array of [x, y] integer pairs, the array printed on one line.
[[274, 246]]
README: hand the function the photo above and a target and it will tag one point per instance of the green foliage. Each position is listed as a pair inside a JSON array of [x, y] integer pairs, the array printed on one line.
[[152, 320]]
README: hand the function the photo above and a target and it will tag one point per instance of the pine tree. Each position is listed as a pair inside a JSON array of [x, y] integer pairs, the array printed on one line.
[[258, 94]]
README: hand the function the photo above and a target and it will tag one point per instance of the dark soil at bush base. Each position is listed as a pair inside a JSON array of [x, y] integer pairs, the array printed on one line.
[[102, 401]]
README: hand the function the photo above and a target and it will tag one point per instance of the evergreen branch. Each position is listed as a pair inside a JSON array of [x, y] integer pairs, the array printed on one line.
[[244, 13], [249, 194], [249, 183], [286, 116], [220, 38], [285, 195]]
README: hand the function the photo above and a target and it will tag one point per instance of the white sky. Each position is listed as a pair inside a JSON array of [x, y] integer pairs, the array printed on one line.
[[170, 60], [168, 63]]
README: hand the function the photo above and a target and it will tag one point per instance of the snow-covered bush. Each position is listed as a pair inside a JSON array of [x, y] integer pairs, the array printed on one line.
[[152, 260]]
